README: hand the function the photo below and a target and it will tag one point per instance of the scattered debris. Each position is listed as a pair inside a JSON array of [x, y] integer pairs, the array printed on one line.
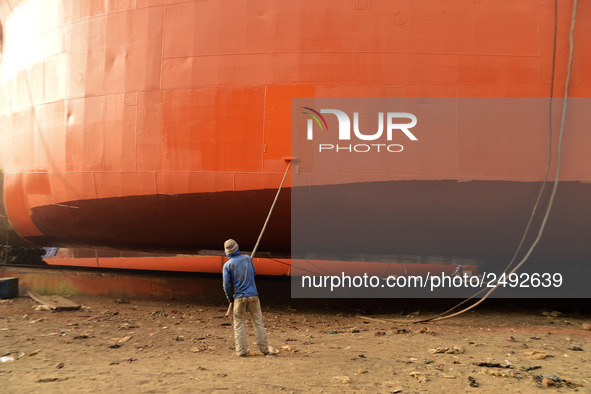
[[448, 350], [6, 359], [158, 313], [491, 365], [536, 354], [586, 326], [120, 342], [504, 374], [555, 381], [54, 302], [532, 368], [473, 382], [273, 350], [109, 313], [551, 314], [128, 326], [420, 377], [47, 380], [78, 328], [343, 379], [333, 332], [424, 330], [288, 348], [202, 349]]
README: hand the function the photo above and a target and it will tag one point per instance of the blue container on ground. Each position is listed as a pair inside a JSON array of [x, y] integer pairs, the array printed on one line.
[[8, 287]]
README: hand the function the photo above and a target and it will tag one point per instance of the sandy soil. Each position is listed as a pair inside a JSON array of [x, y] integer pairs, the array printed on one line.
[[188, 347]]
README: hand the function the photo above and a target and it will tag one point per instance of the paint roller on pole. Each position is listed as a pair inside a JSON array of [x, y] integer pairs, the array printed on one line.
[[289, 160]]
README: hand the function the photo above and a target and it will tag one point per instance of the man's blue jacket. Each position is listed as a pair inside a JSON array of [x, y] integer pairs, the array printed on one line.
[[239, 271]]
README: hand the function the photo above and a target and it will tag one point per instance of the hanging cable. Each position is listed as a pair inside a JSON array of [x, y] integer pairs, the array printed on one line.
[[444, 315], [544, 183]]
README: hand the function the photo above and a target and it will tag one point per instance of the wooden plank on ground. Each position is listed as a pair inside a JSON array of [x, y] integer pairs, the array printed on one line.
[[54, 302]]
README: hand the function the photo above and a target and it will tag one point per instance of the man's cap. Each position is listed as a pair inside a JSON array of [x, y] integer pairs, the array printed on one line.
[[230, 246]]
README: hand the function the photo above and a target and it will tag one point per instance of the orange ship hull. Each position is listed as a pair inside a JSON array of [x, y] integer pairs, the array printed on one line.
[[162, 125]]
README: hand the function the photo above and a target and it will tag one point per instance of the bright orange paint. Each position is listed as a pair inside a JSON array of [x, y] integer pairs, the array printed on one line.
[[110, 99]]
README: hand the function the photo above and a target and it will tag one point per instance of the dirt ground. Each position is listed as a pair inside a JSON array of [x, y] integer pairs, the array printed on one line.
[[113, 345]]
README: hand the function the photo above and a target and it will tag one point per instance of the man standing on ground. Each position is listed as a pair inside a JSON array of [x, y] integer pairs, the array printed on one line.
[[239, 272]]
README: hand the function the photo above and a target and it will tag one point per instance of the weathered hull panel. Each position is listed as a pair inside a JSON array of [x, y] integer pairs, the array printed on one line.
[[469, 220], [162, 125]]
